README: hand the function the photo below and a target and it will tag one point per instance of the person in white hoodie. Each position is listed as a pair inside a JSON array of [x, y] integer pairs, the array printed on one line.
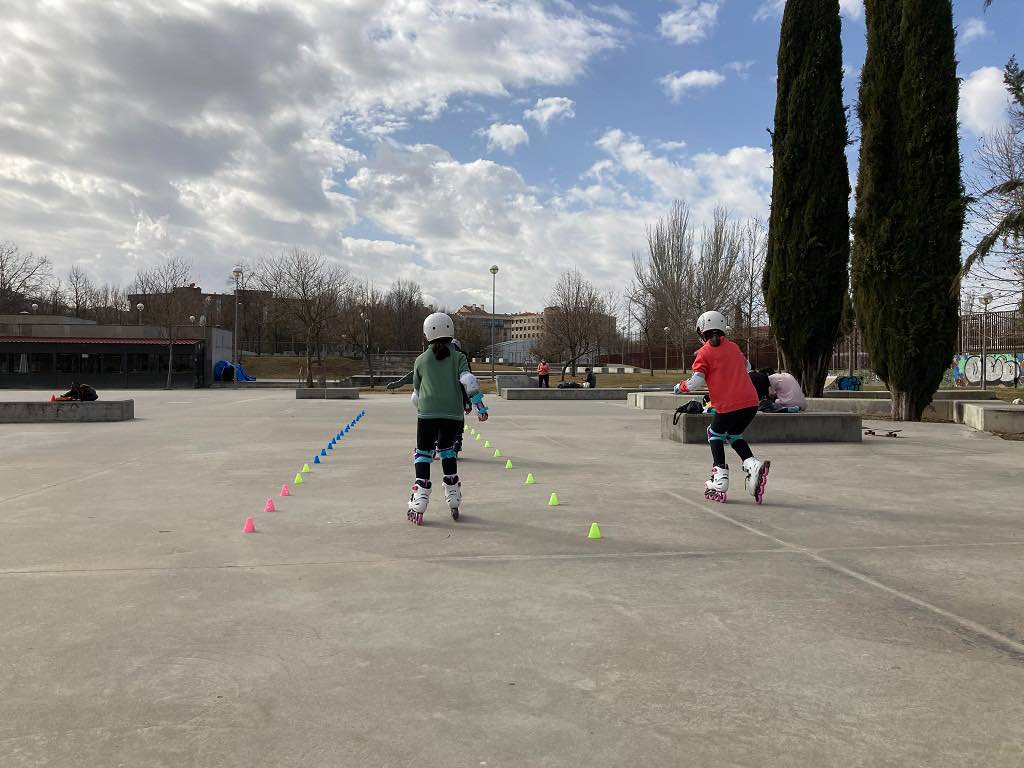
[[787, 391]]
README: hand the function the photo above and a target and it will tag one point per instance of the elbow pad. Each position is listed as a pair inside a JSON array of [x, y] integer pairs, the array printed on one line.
[[696, 381], [468, 380]]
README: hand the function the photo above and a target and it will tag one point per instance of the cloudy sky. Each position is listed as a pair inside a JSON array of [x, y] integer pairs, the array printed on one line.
[[424, 139]]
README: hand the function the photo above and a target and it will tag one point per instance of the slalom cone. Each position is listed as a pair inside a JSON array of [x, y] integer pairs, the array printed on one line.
[[249, 527], [306, 469], [595, 531], [269, 506], [478, 437], [285, 491], [53, 398], [487, 443], [553, 501], [508, 464], [529, 479], [497, 453], [316, 459], [298, 479], [323, 451], [330, 446]]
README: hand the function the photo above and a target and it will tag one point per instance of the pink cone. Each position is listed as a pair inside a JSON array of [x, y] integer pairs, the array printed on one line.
[[270, 506], [285, 491], [249, 527]]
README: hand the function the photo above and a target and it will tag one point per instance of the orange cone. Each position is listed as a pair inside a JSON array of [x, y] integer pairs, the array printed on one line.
[[249, 527], [53, 398]]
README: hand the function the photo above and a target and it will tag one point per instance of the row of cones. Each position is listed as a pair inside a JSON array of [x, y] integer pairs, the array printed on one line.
[[595, 529], [250, 525]]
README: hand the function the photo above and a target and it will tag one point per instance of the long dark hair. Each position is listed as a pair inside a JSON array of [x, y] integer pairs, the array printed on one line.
[[440, 348], [714, 337]]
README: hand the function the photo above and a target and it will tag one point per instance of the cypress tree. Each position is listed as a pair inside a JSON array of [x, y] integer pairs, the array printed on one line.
[[910, 203], [806, 267]]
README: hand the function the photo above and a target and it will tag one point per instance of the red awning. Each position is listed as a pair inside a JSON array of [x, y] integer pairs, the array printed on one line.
[[124, 342]]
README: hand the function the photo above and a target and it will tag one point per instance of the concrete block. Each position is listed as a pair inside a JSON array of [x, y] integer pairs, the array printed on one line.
[[514, 380], [942, 394], [45, 412], [564, 394], [771, 428], [999, 419], [327, 393]]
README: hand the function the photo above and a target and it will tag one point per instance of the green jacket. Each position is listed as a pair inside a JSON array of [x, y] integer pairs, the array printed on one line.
[[437, 385]]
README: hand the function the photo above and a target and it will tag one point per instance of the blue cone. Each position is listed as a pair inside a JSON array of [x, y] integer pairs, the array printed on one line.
[[323, 451], [316, 459], [330, 446]]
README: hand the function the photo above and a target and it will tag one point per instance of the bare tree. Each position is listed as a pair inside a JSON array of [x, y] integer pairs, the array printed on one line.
[[576, 315], [22, 275], [80, 291], [309, 289], [753, 247], [365, 321], [473, 336], [167, 306], [405, 306]]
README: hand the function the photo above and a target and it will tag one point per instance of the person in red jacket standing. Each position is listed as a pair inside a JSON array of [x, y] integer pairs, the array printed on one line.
[[721, 368], [543, 374]]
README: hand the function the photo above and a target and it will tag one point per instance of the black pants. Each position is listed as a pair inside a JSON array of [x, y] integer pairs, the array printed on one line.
[[442, 434], [729, 426], [543, 379]]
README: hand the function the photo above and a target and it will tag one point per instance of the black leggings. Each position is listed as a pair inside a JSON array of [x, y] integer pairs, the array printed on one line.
[[728, 427], [442, 435]]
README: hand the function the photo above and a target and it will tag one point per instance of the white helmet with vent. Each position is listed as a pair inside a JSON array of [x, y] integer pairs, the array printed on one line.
[[438, 326], [711, 321]]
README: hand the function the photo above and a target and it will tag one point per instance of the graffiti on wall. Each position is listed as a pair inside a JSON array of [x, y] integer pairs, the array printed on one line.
[[1002, 368]]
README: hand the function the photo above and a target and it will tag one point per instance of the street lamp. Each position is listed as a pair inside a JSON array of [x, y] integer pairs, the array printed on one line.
[[35, 307], [666, 348], [494, 283], [140, 306], [985, 301], [192, 319], [237, 273]]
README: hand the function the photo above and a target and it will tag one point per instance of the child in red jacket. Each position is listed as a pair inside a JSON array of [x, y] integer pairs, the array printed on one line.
[[721, 368]]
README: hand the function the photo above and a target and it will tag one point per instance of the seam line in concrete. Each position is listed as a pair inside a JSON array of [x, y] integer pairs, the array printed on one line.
[[65, 481], [993, 635]]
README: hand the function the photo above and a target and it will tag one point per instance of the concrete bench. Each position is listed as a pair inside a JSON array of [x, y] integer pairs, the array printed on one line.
[[564, 394], [514, 381], [1000, 419], [942, 394], [771, 428], [327, 393], [45, 412]]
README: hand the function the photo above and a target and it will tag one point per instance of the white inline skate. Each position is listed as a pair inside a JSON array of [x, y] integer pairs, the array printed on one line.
[[453, 494], [757, 477], [418, 501], [717, 488]]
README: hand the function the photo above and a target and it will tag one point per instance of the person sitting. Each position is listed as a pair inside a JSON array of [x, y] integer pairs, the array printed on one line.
[[590, 382], [760, 381], [787, 391], [80, 392]]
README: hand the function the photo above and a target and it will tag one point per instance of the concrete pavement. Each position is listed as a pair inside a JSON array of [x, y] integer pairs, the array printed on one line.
[[871, 613]]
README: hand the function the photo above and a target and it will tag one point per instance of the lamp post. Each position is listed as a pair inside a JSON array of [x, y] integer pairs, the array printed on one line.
[[985, 301], [666, 348], [237, 274], [140, 306], [494, 283], [35, 307]]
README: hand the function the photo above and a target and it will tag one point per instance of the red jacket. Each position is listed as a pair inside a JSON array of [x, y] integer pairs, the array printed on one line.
[[725, 371]]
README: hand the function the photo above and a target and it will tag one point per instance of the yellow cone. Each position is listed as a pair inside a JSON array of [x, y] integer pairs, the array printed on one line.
[[553, 501], [487, 443], [305, 468], [478, 437], [497, 453], [508, 464], [529, 479], [595, 532], [298, 478]]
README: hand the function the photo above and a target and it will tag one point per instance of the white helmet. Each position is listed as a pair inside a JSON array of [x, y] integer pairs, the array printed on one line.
[[438, 326], [711, 321]]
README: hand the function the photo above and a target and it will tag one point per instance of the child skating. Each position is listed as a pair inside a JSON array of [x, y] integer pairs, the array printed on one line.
[[439, 378], [721, 368]]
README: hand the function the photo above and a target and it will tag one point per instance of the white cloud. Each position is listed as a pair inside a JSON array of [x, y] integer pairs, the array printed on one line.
[[691, 22], [506, 137], [679, 84], [548, 110], [853, 9], [227, 124], [740, 68], [973, 30], [614, 10], [983, 101]]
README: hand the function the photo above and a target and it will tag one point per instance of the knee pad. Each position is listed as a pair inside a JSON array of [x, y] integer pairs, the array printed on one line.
[[733, 438], [423, 457], [447, 453], [721, 437]]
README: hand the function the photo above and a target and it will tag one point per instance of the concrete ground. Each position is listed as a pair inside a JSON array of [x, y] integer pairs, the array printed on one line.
[[871, 613]]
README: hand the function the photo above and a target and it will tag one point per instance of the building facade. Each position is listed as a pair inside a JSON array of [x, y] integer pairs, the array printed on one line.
[[52, 352]]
